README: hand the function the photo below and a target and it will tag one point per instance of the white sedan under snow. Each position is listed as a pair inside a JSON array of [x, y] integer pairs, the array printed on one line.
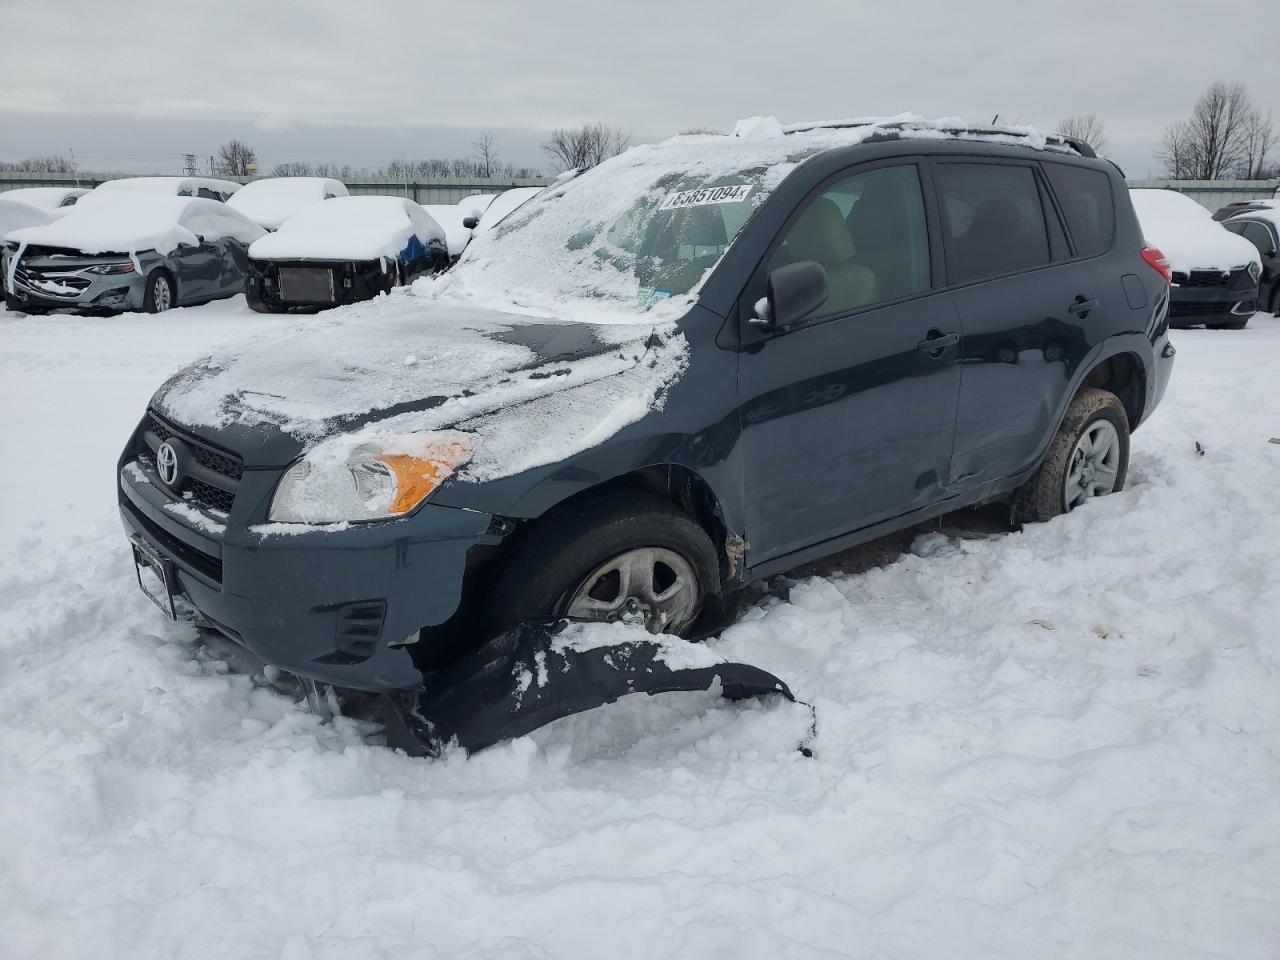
[[272, 201]]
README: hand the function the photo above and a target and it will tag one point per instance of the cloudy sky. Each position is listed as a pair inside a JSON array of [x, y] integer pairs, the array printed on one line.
[[132, 85]]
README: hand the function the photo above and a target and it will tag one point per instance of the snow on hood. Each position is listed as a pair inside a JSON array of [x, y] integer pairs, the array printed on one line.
[[14, 215], [533, 391], [450, 217], [271, 202], [45, 198], [349, 228], [1187, 234], [130, 224]]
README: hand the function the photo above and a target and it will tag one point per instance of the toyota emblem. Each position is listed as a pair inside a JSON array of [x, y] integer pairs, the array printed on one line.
[[167, 463]]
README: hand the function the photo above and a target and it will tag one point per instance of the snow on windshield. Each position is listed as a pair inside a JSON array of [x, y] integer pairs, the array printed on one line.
[[1187, 234], [641, 231], [136, 223], [349, 228], [271, 202]]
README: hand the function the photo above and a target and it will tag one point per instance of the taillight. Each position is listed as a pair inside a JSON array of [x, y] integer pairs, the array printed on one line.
[[1158, 262]]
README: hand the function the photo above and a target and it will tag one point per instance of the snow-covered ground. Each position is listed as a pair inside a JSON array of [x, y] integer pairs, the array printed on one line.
[[1059, 743]]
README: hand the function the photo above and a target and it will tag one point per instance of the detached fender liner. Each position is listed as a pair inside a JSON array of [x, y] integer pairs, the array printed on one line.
[[536, 673]]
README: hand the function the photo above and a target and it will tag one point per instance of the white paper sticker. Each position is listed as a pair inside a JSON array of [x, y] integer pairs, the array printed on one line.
[[706, 196]]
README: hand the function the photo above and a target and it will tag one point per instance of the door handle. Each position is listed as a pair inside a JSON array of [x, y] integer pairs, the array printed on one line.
[[1082, 307], [937, 343]]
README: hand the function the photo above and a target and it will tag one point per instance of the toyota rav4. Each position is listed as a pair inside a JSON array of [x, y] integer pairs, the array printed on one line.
[[697, 364]]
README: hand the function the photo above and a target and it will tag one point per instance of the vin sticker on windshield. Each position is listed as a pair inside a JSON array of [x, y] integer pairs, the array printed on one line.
[[706, 196]]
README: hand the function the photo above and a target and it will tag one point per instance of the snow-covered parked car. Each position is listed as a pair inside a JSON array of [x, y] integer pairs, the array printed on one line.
[[695, 365], [1261, 227], [14, 215], [272, 201], [132, 252], [341, 251], [504, 204], [478, 212], [453, 220], [55, 200], [207, 188], [1215, 273]]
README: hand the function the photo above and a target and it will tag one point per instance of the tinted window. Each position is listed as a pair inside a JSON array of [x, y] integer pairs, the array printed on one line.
[[1085, 197], [993, 219], [1257, 234], [208, 194], [868, 232]]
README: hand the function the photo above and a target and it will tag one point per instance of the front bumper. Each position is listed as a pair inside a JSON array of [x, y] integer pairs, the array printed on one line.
[[340, 606], [106, 293], [1193, 305]]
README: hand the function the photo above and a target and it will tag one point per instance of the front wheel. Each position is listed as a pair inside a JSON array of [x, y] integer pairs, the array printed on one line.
[[1088, 458], [631, 559], [160, 295]]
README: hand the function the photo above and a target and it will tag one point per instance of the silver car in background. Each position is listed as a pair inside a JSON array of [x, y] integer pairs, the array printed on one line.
[[134, 252]]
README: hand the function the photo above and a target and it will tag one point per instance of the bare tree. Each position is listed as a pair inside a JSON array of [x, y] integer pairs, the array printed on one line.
[[292, 169], [486, 148], [1212, 144], [583, 147], [44, 164], [688, 131], [1088, 127], [1260, 138], [235, 158]]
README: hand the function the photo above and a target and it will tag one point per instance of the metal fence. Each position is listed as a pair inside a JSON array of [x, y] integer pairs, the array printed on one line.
[[435, 190], [1211, 194]]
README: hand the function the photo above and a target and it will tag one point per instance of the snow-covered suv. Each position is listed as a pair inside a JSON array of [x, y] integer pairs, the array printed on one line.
[[697, 364]]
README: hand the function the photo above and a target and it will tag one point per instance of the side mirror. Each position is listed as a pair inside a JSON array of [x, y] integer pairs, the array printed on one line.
[[470, 222], [795, 292]]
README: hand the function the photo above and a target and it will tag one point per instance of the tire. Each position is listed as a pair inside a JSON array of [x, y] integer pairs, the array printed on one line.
[[162, 292], [557, 563], [1044, 495], [259, 306]]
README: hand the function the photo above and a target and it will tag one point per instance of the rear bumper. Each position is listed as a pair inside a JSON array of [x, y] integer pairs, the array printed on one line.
[[341, 606]]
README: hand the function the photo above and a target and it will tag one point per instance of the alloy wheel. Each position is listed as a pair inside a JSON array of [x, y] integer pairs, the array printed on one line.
[[1094, 464], [649, 586]]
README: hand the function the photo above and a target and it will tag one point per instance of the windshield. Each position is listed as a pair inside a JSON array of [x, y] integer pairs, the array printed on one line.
[[638, 234]]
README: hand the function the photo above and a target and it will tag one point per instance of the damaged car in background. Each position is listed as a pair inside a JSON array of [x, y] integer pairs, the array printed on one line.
[[343, 250], [129, 252], [518, 490]]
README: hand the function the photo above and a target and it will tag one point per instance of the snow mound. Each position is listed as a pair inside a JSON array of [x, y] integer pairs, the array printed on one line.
[[14, 215], [450, 217], [271, 202], [349, 228], [505, 203], [46, 198], [1187, 234], [129, 224]]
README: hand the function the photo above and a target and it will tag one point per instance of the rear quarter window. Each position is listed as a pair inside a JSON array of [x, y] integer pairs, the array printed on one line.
[[1087, 204]]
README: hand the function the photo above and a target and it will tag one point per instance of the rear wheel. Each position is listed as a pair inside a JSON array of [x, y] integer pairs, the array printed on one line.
[[632, 559], [161, 294], [1088, 458]]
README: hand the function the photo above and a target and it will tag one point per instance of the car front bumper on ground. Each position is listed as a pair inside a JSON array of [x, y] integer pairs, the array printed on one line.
[[337, 605]]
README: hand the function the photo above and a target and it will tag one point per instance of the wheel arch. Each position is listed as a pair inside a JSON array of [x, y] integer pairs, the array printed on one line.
[[1123, 374]]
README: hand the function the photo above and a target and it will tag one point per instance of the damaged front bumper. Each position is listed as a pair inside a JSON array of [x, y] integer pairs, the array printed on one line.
[[539, 673]]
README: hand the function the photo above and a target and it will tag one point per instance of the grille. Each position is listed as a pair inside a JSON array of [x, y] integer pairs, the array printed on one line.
[[31, 278], [211, 481], [1201, 278], [1183, 309]]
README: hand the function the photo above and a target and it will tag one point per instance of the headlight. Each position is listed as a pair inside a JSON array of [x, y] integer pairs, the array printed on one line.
[[1255, 271], [110, 269], [388, 477]]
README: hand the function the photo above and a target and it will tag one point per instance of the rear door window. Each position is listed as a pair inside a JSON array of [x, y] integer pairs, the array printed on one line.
[[1085, 197], [1258, 234], [993, 222]]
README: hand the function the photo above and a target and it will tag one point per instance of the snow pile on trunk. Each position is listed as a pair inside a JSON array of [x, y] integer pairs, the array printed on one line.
[[1187, 234], [130, 224], [349, 228], [1060, 742], [271, 202]]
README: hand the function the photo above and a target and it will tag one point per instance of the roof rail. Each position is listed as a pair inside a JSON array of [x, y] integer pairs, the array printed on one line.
[[893, 129]]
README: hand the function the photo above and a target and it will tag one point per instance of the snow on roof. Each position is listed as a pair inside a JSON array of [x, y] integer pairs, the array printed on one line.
[[46, 198], [135, 223], [14, 215], [1187, 234], [450, 218], [910, 125], [272, 201], [349, 228], [173, 186], [505, 203]]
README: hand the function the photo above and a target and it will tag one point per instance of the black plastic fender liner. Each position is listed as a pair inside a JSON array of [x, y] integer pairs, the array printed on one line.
[[537, 673]]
